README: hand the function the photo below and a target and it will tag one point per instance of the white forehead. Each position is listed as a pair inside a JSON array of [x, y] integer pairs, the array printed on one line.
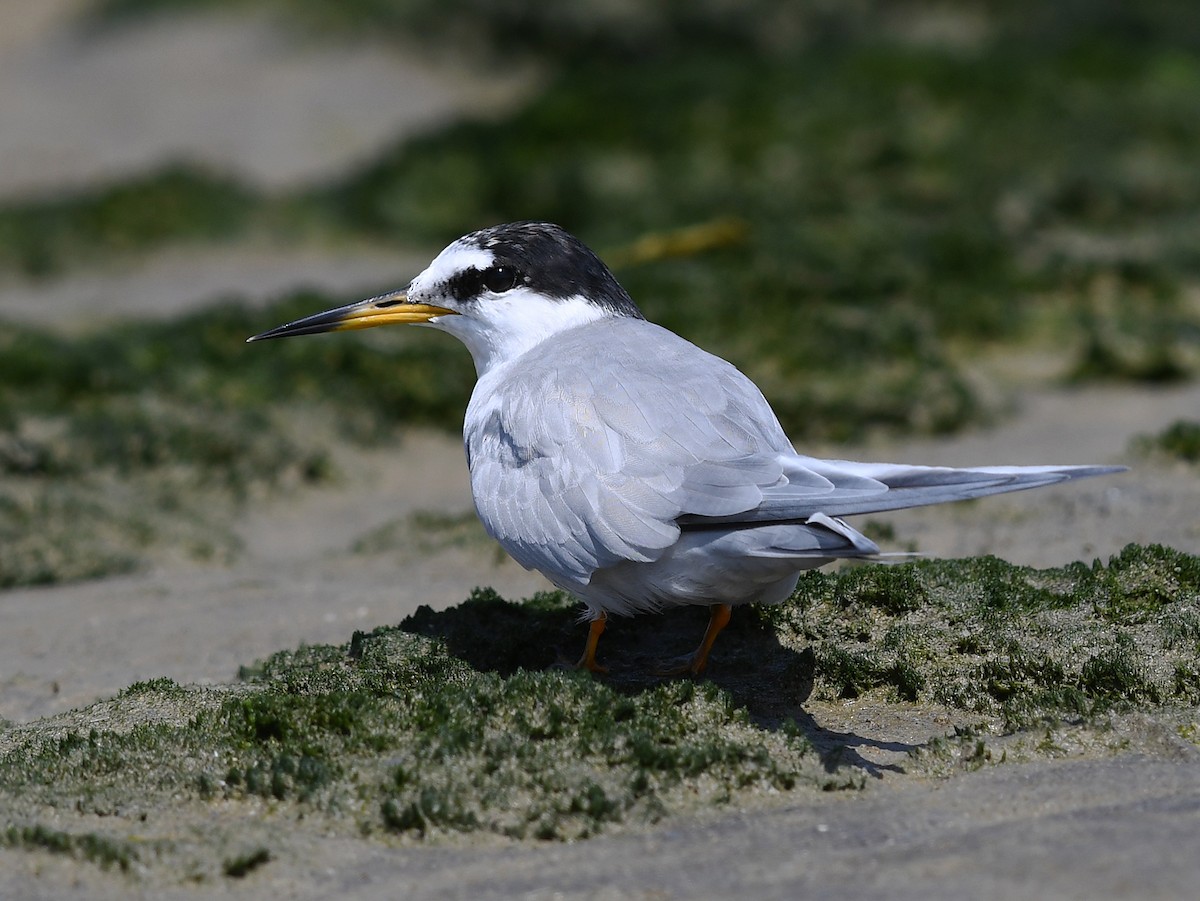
[[455, 258]]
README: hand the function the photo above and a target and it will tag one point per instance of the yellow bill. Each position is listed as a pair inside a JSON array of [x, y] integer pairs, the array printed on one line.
[[383, 310]]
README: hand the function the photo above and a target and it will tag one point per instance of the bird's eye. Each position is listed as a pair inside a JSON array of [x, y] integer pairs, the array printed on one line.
[[499, 279]]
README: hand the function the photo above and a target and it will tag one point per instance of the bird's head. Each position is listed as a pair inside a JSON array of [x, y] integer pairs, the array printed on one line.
[[501, 291]]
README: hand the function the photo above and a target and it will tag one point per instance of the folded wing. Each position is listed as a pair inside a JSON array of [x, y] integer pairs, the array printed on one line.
[[878, 487]]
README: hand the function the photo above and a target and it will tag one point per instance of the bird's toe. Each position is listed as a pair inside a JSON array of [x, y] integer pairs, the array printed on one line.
[[686, 665]]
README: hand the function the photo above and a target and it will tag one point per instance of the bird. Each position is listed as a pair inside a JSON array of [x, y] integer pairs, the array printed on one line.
[[634, 470]]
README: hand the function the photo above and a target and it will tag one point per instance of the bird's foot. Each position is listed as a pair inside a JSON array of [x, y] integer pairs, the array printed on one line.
[[686, 665], [588, 660], [562, 661], [694, 664], [591, 666]]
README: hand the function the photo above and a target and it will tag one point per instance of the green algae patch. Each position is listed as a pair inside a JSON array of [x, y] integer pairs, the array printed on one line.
[[142, 213], [486, 746], [92, 847], [1178, 441], [244, 864], [1005, 641], [392, 736]]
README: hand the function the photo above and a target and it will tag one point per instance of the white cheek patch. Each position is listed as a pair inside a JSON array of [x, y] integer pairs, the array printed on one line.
[[452, 260], [519, 319], [499, 329]]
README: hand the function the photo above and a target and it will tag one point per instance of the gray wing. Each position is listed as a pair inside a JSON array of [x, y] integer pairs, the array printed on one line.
[[900, 486], [589, 451]]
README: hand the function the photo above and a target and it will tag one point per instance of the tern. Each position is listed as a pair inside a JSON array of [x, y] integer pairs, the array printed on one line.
[[631, 468]]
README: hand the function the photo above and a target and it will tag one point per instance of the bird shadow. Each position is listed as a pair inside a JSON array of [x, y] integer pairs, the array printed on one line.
[[766, 678]]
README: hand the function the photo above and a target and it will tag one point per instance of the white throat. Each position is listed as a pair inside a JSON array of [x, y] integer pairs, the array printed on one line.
[[501, 328]]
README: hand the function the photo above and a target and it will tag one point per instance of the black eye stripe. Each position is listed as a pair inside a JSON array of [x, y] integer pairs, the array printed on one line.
[[472, 282]]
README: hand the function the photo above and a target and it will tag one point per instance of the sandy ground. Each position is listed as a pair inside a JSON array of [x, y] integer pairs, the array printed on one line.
[[1116, 827], [1122, 827], [229, 93]]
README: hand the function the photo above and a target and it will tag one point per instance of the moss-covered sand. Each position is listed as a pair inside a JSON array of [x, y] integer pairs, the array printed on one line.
[[462, 723], [1178, 441]]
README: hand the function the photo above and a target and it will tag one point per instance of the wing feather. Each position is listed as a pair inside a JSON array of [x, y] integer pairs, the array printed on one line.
[[597, 446]]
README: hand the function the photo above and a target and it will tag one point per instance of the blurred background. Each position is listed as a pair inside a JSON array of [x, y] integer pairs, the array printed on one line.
[[899, 218]]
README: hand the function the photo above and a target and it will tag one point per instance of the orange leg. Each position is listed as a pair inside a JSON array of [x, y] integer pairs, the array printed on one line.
[[588, 660], [694, 664], [718, 619]]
